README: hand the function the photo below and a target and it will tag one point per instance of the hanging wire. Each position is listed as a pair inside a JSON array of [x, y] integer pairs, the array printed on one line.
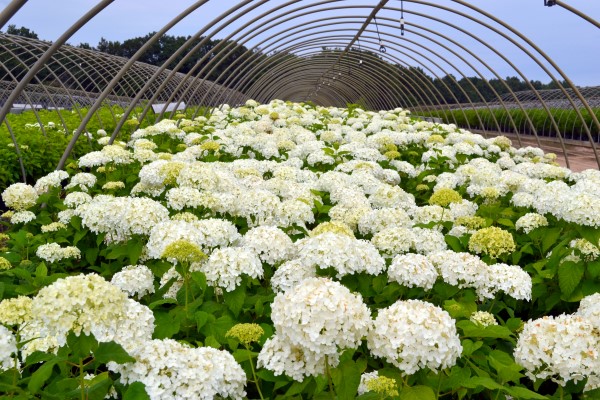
[[381, 46], [401, 17]]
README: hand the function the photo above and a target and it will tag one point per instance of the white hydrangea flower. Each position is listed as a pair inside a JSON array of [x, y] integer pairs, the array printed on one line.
[[135, 280], [8, 350], [321, 316], [22, 217], [387, 196], [463, 270], [530, 221], [225, 267], [341, 252], [20, 196], [428, 241], [172, 273], [414, 334], [52, 227], [109, 154], [74, 199], [588, 251], [65, 216], [589, 308], [53, 252], [290, 274], [167, 232], [121, 217], [413, 270], [563, 348], [377, 220], [172, 370], [511, 279], [217, 232], [52, 180], [182, 197], [270, 243], [282, 357], [88, 304], [394, 240]]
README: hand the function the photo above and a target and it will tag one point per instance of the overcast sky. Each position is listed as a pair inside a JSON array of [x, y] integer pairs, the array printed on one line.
[[571, 42]]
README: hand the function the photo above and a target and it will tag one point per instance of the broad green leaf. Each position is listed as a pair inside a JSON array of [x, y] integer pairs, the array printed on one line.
[[346, 378], [136, 391], [462, 309], [112, 351], [83, 345], [268, 376], [523, 393], [201, 319], [456, 376], [166, 325], [160, 302], [550, 237], [91, 254], [39, 377], [417, 393], [569, 276], [242, 355], [134, 250], [492, 331], [507, 369], [98, 387], [79, 235], [486, 382], [200, 279], [211, 341], [593, 268], [235, 299], [41, 271], [117, 251], [506, 222], [470, 347]]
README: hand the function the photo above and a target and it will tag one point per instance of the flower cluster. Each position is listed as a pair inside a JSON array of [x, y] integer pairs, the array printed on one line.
[[318, 318], [19, 196], [135, 280], [413, 335], [563, 348], [170, 369], [53, 252], [8, 350], [492, 241], [340, 252]]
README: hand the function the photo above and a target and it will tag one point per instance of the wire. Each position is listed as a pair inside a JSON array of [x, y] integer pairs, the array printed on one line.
[[381, 46]]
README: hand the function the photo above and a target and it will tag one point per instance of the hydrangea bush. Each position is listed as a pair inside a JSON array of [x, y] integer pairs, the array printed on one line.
[[294, 251]]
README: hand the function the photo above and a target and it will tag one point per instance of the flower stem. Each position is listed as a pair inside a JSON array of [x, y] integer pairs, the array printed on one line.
[[81, 379], [254, 374]]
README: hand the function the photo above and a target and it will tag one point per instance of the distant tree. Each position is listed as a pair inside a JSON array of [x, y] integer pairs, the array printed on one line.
[[22, 31]]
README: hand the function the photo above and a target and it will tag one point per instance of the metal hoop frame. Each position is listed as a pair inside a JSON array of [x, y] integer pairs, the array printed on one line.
[[280, 55]]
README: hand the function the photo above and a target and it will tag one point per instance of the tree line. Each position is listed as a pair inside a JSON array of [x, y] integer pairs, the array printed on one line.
[[419, 87]]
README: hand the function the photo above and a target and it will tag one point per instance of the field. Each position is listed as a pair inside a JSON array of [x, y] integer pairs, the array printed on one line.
[[291, 251], [570, 125]]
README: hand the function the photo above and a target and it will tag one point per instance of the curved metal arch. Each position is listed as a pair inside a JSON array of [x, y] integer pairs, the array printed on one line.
[[284, 51], [553, 64], [315, 64], [314, 43], [131, 76]]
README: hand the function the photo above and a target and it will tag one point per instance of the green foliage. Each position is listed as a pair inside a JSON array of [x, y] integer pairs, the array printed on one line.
[[569, 124], [201, 315]]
